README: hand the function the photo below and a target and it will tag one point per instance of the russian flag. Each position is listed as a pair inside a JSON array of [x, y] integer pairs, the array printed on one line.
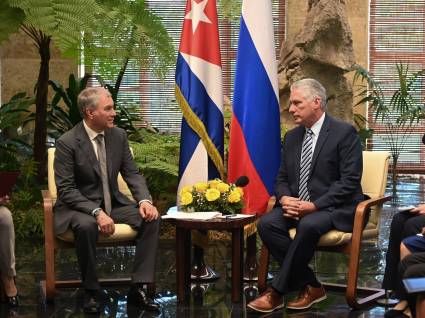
[[255, 128], [199, 93]]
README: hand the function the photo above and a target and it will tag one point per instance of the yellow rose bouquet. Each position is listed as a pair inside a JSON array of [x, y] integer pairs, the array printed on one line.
[[214, 195]]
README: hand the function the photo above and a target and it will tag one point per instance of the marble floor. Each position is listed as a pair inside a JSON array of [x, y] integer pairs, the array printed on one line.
[[208, 299]]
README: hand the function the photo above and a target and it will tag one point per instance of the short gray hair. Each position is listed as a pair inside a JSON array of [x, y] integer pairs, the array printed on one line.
[[88, 97], [312, 88]]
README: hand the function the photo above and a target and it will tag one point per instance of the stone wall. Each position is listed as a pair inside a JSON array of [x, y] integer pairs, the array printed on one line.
[[323, 38], [20, 62]]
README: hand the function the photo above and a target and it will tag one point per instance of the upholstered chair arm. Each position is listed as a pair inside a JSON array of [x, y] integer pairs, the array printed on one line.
[[271, 203], [363, 210]]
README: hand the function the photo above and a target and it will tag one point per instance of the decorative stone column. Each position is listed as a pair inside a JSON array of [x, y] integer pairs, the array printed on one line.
[[322, 50]]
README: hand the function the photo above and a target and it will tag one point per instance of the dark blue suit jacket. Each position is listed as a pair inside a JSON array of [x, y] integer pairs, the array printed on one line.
[[336, 171]]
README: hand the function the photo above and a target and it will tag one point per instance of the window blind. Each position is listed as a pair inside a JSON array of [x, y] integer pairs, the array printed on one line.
[[153, 99], [397, 36]]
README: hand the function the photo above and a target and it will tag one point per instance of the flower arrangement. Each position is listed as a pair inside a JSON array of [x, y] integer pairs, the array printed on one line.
[[214, 195]]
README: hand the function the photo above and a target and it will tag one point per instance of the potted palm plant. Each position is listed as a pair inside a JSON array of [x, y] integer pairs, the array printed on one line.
[[14, 115], [396, 111]]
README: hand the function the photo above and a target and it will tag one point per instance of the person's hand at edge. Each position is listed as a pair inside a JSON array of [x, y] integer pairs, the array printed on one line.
[[420, 209], [4, 199]]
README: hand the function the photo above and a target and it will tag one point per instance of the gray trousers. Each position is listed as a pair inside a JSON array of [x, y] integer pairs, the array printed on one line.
[[7, 243], [86, 234]]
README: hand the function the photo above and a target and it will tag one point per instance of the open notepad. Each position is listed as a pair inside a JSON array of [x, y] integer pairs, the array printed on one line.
[[192, 215], [414, 285]]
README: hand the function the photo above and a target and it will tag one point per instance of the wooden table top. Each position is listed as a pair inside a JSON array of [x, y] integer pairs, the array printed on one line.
[[227, 223]]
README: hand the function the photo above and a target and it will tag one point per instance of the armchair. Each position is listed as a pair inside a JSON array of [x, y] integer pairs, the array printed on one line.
[[123, 235], [374, 179]]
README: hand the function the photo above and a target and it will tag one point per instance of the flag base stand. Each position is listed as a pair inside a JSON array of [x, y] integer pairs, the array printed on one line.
[[387, 301], [201, 271], [250, 291], [198, 291]]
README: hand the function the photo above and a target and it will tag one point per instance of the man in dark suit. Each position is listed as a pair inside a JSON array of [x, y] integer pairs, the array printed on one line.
[[88, 159], [318, 188]]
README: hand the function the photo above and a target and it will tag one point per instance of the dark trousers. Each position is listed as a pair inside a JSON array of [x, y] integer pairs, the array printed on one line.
[[412, 266], [403, 224], [293, 256], [86, 234]]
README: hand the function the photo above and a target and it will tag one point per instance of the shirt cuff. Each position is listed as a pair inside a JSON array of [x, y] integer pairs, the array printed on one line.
[[95, 210], [145, 200]]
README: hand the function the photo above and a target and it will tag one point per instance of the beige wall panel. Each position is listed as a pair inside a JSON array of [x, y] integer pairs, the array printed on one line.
[[20, 64]]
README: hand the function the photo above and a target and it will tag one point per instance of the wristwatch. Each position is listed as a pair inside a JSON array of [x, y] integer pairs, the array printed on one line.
[[95, 212]]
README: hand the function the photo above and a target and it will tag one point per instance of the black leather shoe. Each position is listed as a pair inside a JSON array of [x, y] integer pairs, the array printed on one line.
[[13, 301], [91, 303], [396, 313], [138, 298]]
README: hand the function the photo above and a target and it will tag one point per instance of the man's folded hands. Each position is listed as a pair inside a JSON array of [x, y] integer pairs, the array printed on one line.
[[294, 208]]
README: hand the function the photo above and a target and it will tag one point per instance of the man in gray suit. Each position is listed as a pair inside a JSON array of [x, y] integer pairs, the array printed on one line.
[[318, 189], [88, 159]]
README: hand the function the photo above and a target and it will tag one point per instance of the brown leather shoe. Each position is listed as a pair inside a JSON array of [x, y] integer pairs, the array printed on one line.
[[307, 297], [268, 301]]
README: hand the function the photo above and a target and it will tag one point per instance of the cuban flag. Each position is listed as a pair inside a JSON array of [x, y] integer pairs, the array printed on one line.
[[199, 94], [255, 128]]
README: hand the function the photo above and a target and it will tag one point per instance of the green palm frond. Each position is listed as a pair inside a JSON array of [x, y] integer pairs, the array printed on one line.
[[230, 9], [157, 152], [403, 103], [157, 157], [62, 20], [10, 20], [129, 31], [162, 166]]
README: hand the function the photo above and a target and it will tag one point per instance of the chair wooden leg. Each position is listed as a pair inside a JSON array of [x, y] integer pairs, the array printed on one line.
[[49, 249], [50, 273], [352, 289], [263, 268], [353, 271], [370, 295]]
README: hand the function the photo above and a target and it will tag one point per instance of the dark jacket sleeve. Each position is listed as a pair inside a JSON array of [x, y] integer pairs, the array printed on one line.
[[282, 186], [68, 192], [129, 171], [350, 166]]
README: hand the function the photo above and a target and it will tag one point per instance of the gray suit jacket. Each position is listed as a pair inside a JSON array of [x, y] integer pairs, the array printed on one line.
[[78, 177], [336, 170]]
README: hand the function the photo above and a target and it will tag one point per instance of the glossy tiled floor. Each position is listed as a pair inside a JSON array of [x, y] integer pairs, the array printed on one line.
[[208, 300]]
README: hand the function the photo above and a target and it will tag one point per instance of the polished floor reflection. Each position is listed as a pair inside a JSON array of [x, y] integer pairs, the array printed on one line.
[[208, 299]]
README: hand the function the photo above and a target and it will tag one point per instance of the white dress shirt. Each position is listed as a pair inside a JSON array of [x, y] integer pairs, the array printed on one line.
[[317, 126]]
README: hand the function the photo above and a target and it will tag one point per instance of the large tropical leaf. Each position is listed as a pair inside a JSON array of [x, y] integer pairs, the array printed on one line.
[[63, 20], [404, 103], [10, 20], [128, 32]]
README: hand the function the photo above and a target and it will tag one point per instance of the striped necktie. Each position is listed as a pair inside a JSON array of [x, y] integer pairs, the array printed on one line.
[[101, 156], [306, 155]]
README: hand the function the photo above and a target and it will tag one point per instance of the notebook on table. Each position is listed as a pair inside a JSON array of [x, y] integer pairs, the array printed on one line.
[[7, 182], [414, 285]]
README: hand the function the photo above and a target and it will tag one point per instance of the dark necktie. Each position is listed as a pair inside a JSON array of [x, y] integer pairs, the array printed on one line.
[[306, 155], [101, 156]]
